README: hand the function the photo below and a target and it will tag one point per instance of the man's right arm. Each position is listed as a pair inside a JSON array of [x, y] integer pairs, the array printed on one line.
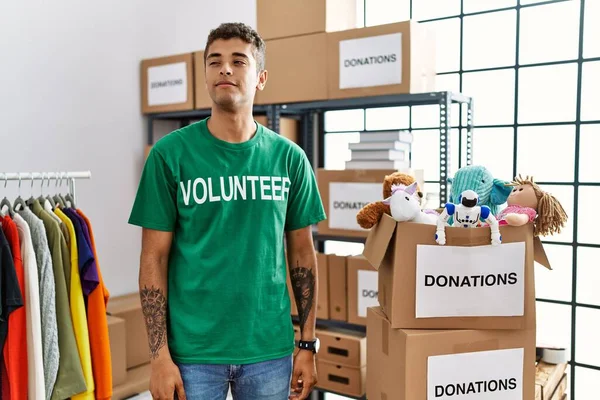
[[165, 379]]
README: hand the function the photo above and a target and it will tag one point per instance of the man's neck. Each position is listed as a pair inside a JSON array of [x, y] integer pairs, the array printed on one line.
[[233, 127]]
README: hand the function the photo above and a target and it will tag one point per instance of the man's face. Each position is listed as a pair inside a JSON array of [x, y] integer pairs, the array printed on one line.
[[231, 73]]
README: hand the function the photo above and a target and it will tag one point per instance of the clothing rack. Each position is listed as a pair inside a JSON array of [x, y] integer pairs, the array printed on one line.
[[57, 176]]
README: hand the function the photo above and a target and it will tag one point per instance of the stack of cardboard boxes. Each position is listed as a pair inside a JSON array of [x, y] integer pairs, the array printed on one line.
[[455, 321], [129, 346], [316, 50]]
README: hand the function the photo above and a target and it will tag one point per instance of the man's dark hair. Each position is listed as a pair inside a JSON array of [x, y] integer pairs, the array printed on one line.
[[231, 30]]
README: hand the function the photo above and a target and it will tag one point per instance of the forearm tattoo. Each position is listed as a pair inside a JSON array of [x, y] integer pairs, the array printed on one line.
[[154, 307], [303, 285]]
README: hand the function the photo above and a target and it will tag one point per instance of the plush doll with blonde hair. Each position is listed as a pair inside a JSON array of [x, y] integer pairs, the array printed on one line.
[[529, 203]]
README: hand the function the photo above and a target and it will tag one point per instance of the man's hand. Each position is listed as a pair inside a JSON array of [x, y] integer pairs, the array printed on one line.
[[165, 380], [304, 377]]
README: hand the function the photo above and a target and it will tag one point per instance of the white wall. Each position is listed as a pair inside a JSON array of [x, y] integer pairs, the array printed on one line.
[[70, 100]]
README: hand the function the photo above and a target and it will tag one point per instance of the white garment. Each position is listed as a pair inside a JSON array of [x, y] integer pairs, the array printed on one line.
[[35, 362]]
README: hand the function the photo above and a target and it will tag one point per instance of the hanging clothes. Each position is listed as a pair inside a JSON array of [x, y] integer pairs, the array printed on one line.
[[47, 297], [35, 363], [15, 348], [78, 314], [10, 296], [97, 323], [87, 266], [70, 379]]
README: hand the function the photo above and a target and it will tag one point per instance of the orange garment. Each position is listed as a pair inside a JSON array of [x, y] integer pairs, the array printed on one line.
[[98, 328], [15, 349]]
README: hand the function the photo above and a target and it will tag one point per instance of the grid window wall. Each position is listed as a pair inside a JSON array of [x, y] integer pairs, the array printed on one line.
[[532, 68]]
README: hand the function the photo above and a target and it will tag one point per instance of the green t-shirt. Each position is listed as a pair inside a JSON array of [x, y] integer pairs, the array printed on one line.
[[228, 205]]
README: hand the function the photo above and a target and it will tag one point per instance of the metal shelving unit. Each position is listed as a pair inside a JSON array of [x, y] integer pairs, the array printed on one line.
[[311, 115], [312, 133]]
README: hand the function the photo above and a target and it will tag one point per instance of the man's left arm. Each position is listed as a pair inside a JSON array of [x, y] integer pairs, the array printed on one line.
[[302, 262]]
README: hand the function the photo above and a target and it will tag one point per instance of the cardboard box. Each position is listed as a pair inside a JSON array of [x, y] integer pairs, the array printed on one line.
[[202, 99], [363, 287], [117, 337], [465, 284], [129, 308], [548, 379], [380, 60], [284, 18], [341, 379], [296, 70], [322, 289], [338, 293], [138, 381], [344, 194], [428, 364], [342, 347], [147, 151], [167, 83], [288, 127]]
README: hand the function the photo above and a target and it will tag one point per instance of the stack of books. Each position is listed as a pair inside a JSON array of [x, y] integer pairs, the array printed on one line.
[[381, 150]]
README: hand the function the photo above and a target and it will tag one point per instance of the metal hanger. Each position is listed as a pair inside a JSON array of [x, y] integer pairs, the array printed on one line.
[[58, 197], [19, 200], [69, 196], [5, 201], [48, 197]]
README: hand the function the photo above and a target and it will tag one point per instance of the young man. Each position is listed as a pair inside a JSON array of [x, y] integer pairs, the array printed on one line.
[[215, 201]]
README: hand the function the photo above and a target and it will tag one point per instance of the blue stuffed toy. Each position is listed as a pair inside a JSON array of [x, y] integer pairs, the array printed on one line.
[[492, 192]]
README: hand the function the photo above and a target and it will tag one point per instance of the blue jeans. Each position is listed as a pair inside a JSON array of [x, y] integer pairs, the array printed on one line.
[[269, 380]]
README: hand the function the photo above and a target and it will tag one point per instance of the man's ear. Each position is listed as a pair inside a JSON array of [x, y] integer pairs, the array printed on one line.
[[262, 80], [500, 192]]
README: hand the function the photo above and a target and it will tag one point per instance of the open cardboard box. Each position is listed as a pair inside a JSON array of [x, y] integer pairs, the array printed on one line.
[[457, 364], [415, 290]]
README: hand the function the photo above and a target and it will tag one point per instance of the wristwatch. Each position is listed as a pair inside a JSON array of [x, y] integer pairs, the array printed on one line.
[[311, 345]]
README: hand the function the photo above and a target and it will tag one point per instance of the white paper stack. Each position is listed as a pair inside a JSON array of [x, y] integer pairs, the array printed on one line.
[[381, 150]]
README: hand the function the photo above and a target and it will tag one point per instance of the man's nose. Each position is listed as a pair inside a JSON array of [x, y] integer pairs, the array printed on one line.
[[225, 69]]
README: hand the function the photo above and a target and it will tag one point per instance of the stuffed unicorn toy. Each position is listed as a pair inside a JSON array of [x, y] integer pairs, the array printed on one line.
[[405, 206]]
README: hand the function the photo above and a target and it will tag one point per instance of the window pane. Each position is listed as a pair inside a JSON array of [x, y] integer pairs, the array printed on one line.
[[565, 195], [470, 6], [589, 162], [426, 154], [549, 33], [587, 225], [489, 40], [586, 331], [344, 120], [430, 9], [555, 284], [447, 83], [381, 12], [447, 34], [336, 149], [591, 36], [554, 325], [590, 103], [493, 94], [388, 118], [426, 116], [499, 160], [586, 383], [547, 94], [538, 153], [588, 275], [524, 2], [343, 248]]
